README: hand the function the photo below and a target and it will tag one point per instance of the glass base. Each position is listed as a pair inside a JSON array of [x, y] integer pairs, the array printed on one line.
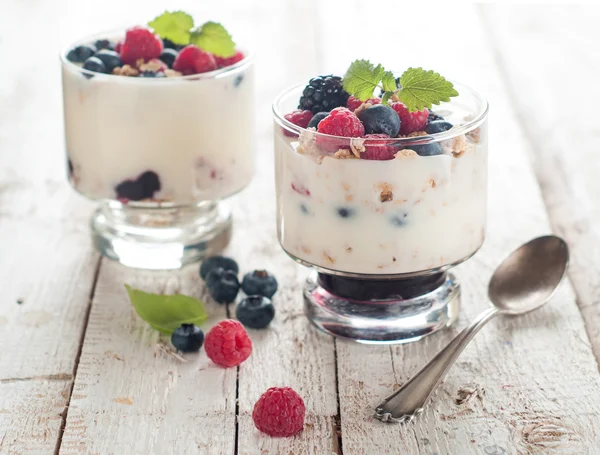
[[381, 311], [155, 237]]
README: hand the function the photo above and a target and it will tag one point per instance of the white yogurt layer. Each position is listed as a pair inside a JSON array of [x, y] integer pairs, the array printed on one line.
[[405, 215], [196, 135]]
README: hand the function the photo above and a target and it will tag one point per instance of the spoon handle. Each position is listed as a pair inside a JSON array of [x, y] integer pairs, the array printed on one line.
[[408, 400]]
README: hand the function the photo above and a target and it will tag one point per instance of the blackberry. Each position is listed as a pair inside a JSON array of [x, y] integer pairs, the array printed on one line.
[[322, 94]]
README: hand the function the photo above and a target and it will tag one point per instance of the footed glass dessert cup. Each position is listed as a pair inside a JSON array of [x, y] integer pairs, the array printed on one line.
[[158, 152], [380, 235]]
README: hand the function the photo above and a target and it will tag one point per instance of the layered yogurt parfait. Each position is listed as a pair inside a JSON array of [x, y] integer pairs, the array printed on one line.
[[381, 194], [159, 127]]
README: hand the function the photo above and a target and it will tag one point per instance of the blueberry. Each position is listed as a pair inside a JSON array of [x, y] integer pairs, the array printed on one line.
[[238, 80], [430, 149], [345, 212], [380, 119], [437, 126], [255, 311], [168, 56], [399, 219], [432, 117], [150, 183], [223, 285], [187, 338], [94, 64], [304, 209], [218, 261], [81, 53], [130, 190], [110, 59], [152, 74], [314, 122], [259, 282], [104, 44], [168, 44]]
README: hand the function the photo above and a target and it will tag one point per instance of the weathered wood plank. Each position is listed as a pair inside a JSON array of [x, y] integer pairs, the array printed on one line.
[[527, 366]]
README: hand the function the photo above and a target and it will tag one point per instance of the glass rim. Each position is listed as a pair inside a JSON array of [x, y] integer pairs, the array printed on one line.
[[215, 74], [455, 131]]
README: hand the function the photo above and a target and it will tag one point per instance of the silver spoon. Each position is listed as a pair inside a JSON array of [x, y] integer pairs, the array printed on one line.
[[523, 282]]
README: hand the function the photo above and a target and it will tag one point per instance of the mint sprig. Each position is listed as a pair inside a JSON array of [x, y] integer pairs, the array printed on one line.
[[178, 27], [166, 313], [418, 88]]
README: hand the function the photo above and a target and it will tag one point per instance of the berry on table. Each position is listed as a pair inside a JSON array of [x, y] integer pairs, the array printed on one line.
[[410, 121], [222, 62], [314, 122], [227, 343], [81, 53], [380, 119], [437, 126], [255, 311], [94, 64], [110, 59], [218, 261], [279, 412], [322, 94], [187, 338], [377, 150], [223, 285], [354, 103], [140, 43], [104, 44], [193, 60], [259, 282], [168, 56]]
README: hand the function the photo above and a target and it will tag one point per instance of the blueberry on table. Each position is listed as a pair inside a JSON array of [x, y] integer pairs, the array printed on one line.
[[314, 122], [437, 126], [110, 59], [104, 44], [94, 64], [168, 56], [255, 311], [380, 119], [223, 285], [152, 74], [218, 261], [187, 338], [81, 53], [259, 282]]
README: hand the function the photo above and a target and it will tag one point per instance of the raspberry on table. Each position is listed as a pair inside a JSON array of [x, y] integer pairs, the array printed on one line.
[[410, 121], [354, 103], [279, 412], [228, 61], [227, 343], [377, 150], [298, 117], [140, 43], [193, 60]]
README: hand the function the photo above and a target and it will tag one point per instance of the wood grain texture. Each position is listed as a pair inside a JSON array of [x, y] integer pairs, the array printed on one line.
[[561, 130]]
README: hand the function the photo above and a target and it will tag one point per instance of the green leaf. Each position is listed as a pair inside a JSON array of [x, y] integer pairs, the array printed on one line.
[[361, 78], [174, 26], [165, 313], [420, 89], [212, 37], [386, 97], [388, 82]]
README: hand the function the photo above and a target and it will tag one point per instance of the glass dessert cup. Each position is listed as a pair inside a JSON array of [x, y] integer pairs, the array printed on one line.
[[159, 155], [382, 236]]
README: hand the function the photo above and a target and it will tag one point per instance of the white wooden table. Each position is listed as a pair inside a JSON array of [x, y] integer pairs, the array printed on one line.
[[81, 374]]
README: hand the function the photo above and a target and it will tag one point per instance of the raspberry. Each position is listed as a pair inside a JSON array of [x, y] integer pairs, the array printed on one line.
[[340, 122], [118, 47], [279, 412], [353, 103], [377, 150], [140, 43], [299, 118], [193, 60], [228, 61], [410, 121], [227, 344]]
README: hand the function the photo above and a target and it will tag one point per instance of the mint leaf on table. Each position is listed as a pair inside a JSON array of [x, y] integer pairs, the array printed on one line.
[[361, 79], [166, 313], [174, 26], [420, 89], [212, 37]]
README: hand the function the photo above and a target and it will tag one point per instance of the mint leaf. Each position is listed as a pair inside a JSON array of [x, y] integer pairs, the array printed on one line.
[[212, 37], [420, 89], [174, 26], [388, 82], [361, 78], [165, 313]]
